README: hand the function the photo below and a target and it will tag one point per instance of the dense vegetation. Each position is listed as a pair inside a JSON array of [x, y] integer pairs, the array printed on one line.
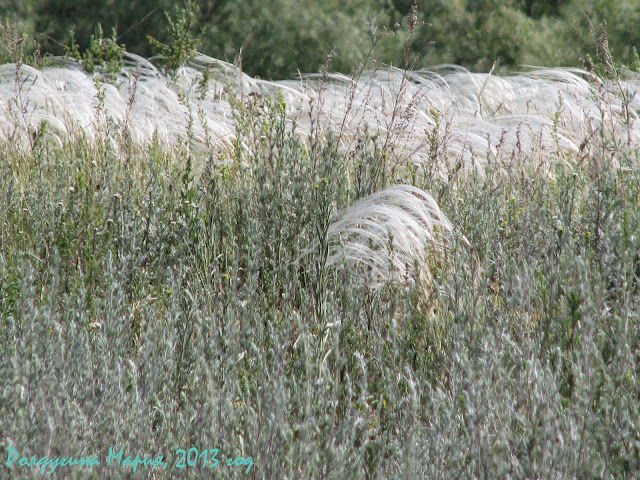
[[170, 272], [279, 38]]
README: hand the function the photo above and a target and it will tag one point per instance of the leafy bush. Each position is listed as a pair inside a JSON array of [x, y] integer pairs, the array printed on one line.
[[103, 53], [183, 40]]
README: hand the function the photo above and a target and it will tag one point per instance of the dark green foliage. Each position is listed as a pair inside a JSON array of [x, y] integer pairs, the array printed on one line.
[[279, 38], [183, 40], [55, 20], [103, 53]]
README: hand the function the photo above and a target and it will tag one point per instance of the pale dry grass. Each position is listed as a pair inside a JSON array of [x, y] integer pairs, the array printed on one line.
[[445, 115]]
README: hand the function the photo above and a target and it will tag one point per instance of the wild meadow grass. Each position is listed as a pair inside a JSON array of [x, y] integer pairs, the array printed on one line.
[[331, 288]]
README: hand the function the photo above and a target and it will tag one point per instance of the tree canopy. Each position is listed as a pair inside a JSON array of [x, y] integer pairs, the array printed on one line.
[[278, 38]]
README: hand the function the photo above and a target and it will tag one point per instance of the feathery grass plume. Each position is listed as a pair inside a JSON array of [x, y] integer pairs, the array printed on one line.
[[140, 101], [435, 119], [398, 234]]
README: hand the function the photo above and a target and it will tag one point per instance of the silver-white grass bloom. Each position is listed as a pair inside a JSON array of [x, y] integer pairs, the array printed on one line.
[[478, 118], [395, 235]]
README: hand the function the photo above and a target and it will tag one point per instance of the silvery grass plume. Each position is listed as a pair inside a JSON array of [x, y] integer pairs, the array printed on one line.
[[139, 104], [398, 234], [444, 116]]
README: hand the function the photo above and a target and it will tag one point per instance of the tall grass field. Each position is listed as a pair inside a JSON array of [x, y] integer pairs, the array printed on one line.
[[393, 274]]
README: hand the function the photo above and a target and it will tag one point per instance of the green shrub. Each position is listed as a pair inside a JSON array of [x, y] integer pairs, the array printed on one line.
[[183, 41], [103, 54]]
